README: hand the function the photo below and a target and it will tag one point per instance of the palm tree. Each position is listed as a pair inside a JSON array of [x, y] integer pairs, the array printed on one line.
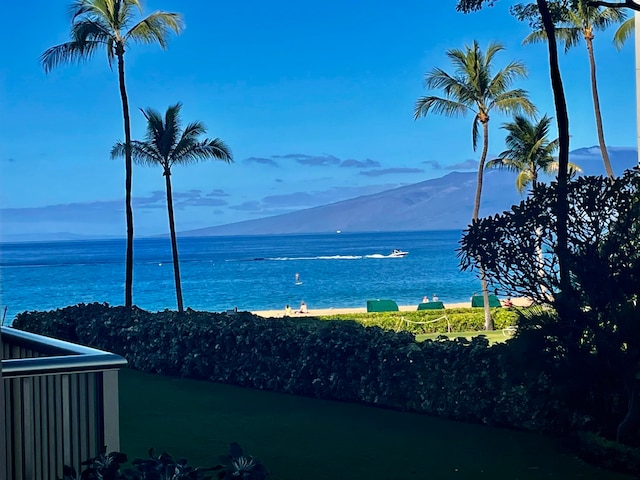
[[582, 22], [529, 151], [167, 145], [108, 23], [473, 89]]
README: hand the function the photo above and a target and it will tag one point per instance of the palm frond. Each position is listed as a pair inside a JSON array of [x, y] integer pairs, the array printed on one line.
[[124, 11], [100, 11], [111, 51], [194, 130], [524, 178], [155, 128], [86, 36], [492, 50], [536, 36], [503, 163], [504, 78], [607, 17], [475, 132], [171, 129], [79, 8], [91, 30], [118, 150], [458, 58], [570, 36], [70, 52], [513, 102], [572, 167], [623, 32], [200, 151], [441, 80], [142, 153], [154, 121], [438, 105], [155, 28]]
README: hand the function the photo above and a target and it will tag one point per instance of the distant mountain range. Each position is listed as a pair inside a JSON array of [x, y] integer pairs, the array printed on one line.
[[444, 203]]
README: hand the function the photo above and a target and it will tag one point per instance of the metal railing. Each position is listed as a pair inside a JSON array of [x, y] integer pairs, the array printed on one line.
[[60, 405]]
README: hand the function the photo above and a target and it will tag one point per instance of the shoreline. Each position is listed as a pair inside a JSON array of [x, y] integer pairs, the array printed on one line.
[[314, 312]]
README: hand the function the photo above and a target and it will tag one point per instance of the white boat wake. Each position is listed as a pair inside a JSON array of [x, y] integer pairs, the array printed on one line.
[[322, 257]]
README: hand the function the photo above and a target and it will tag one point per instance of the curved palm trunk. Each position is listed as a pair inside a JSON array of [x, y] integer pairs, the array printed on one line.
[[596, 107], [174, 242], [483, 158], [562, 212], [128, 288], [488, 321]]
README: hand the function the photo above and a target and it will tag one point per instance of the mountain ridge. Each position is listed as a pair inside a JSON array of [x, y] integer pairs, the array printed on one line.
[[443, 203]]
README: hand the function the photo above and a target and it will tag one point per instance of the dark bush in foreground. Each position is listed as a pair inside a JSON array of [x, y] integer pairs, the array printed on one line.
[[338, 360]]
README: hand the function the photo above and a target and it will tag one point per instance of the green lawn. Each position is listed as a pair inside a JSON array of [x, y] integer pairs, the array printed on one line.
[[495, 336], [309, 439]]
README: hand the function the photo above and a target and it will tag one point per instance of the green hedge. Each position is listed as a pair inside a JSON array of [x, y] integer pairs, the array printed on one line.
[[337, 360], [417, 322]]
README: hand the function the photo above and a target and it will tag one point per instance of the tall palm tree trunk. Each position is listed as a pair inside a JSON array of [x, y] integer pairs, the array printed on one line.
[[483, 158], [488, 321], [562, 212], [174, 242], [128, 283], [596, 107]]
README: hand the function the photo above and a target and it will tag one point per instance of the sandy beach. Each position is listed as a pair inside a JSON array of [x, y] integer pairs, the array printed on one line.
[[519, 302]]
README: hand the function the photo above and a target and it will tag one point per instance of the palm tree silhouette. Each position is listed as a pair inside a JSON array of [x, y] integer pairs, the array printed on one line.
[[473, 89], [167, 145], [109, 24], [582, 22]]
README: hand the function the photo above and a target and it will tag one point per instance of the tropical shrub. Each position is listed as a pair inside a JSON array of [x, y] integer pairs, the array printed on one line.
[[107, 466], [590, 348], [459, 379]]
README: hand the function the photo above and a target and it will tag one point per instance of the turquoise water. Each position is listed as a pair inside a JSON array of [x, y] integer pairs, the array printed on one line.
[[250, 272]]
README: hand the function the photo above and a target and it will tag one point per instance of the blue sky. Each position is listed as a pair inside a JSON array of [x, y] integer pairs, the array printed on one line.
[[315, 100]]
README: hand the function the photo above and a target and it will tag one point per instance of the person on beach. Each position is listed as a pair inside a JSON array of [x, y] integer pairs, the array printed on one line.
[[425, 299], [303, 307], [287, 311], [508, 303], [435, 297]]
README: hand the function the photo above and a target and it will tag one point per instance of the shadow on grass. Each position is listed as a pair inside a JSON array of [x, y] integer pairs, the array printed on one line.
[[496, 336], [301, 438]]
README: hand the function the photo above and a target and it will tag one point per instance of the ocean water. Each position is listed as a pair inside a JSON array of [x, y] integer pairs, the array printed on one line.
[[248, 272]]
